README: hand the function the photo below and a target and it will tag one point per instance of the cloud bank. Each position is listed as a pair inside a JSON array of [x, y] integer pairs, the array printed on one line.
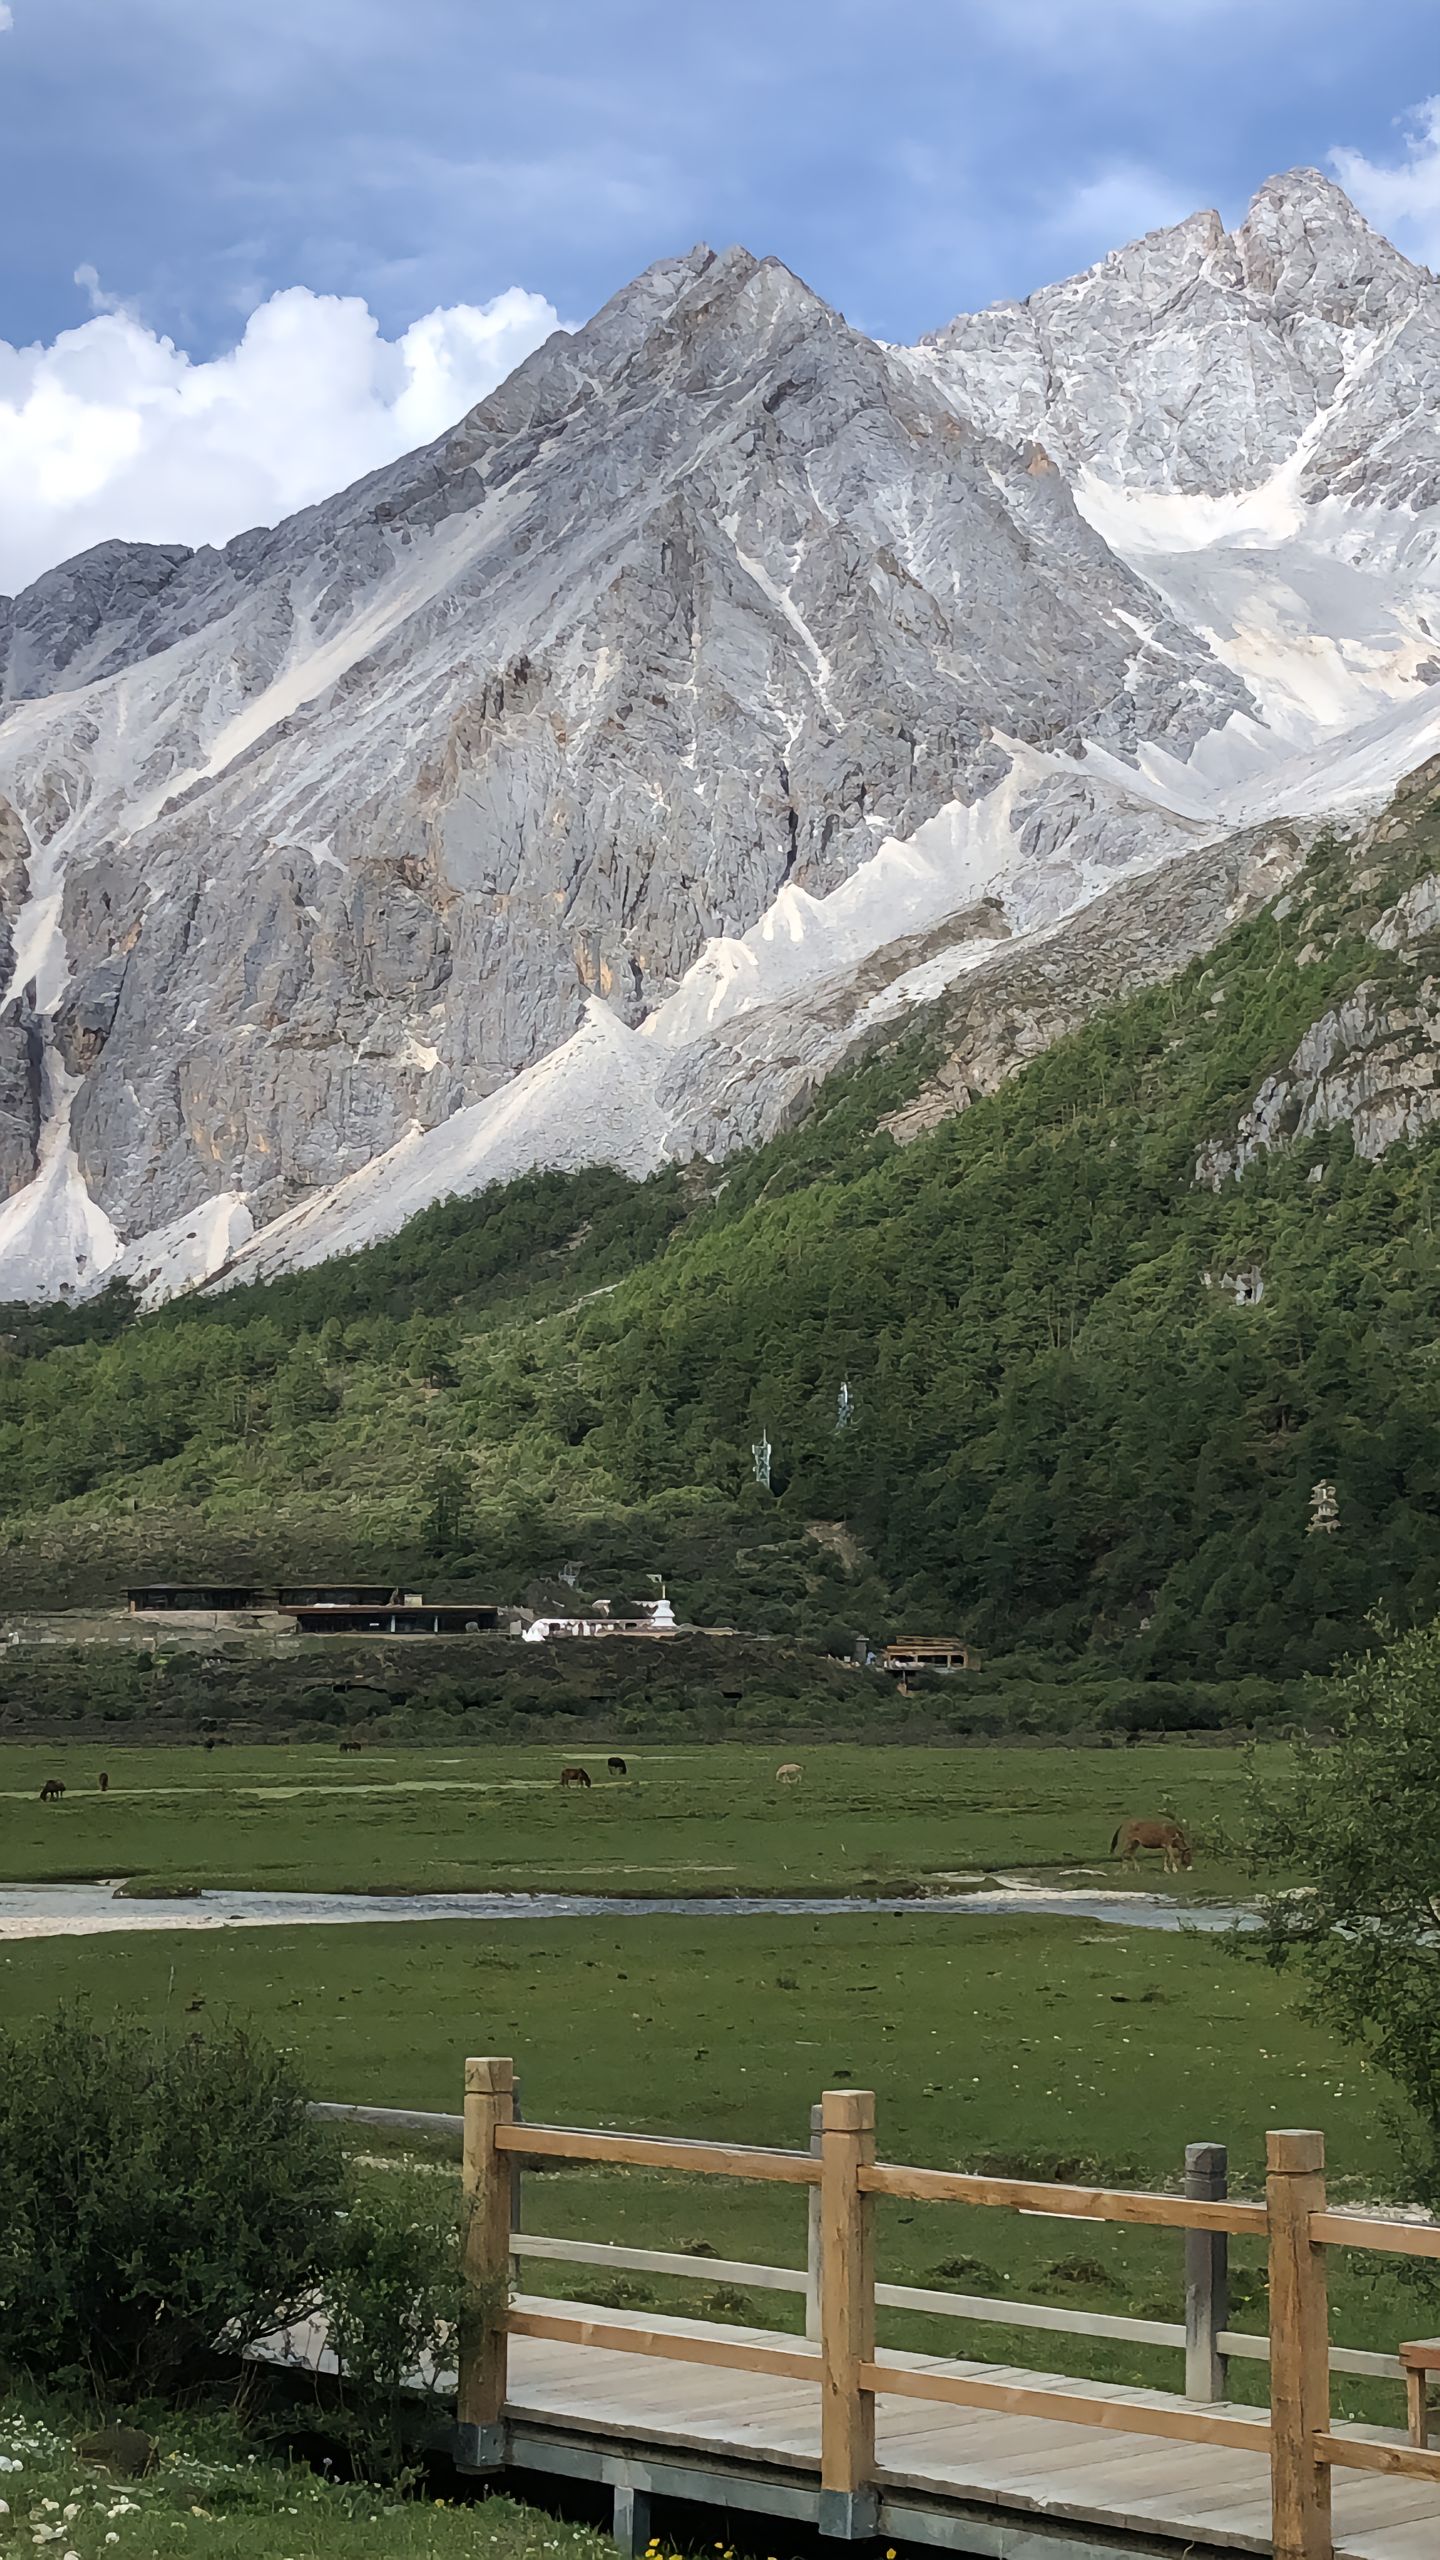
[[113, 430], [1401, 197]]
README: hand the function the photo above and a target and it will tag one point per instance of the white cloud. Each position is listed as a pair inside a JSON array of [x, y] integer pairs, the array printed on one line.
[[1120, 204], [115, 431], [1401, 197], [7, 17]]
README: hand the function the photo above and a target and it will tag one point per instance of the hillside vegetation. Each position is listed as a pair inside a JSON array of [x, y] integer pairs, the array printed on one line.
[[1066, 1437]]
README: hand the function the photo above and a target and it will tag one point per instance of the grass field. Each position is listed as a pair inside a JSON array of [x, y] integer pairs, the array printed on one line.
[[1053, 2048], [698, 1820], [206, 2495]]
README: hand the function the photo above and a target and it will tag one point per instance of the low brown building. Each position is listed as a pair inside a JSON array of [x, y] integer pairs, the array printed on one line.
[[148, 1596], [400, 1618], [928, 1653]]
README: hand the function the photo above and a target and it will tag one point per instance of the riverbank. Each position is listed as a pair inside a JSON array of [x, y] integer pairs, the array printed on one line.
[[87, 1911]]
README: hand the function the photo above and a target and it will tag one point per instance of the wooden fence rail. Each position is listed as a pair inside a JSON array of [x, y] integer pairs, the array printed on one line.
[[1208, 2341], [843, 2178]]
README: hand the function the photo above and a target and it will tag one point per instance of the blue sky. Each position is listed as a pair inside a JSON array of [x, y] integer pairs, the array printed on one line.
[[909, 159], [192, 159]]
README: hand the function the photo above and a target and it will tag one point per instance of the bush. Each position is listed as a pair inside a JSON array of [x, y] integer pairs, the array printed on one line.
[[162, 2198], [393, 2299]]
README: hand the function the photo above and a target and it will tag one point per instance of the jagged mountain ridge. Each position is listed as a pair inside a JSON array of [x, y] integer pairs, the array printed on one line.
[[589, 783]]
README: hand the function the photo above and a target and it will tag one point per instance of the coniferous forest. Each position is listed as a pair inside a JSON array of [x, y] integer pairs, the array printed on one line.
[[1064, 1436]]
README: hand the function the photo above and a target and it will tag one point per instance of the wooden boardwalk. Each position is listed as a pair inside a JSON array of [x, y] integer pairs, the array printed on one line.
[[835, 2431], [963, 2480], [969, 2480]]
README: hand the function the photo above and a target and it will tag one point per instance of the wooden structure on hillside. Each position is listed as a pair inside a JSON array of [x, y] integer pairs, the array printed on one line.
[[401, 1617], [909, 1654], [831, 2429], [327, 1608], [213, 1597]]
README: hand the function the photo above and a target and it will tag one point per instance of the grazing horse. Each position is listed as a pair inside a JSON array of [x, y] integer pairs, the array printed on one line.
[[789, 1775], [52, 1791], [350, 1746], [617, 1768], [574, 1777], [1162, 1834], [104, 1782]]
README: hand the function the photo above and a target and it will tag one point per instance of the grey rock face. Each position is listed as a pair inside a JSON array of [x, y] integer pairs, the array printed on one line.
[[1370, 1064], [107, 596], [326, 836], [85, 1017], [711, 597], [21, 1058], [1413, 916], [1195, 359]]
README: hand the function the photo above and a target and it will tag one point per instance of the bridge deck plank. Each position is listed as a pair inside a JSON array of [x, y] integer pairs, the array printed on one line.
[[1032, 2467]]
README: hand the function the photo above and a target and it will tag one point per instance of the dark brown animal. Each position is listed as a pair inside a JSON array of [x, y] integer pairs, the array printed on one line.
[[617, 1768], [1161, 1834], [104, 1782], [52, 1791], [350, 1746], [574, 1777]]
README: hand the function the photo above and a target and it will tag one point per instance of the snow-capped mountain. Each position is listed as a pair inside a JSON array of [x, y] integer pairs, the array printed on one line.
[[588, 784]]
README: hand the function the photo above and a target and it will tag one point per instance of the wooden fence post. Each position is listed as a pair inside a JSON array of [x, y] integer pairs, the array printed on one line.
[[1207, 2276], [517, 2192], [486, 2202], [812, 2241], [848, 2504], [1299, 2349]]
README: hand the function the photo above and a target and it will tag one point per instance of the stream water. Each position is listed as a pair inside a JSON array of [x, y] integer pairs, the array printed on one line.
[[88, 1910]]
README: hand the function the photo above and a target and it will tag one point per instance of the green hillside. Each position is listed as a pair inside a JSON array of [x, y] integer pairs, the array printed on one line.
[[1064, 1440]]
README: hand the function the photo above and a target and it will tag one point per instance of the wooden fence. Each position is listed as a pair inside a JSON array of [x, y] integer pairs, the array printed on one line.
[[843, 2176]]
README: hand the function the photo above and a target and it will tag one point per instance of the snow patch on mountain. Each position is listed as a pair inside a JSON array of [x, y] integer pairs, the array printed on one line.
[[54, 1240], [1328, 612]]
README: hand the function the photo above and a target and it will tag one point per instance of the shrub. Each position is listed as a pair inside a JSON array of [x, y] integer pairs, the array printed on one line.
[[393, 2298], [163, 2198]]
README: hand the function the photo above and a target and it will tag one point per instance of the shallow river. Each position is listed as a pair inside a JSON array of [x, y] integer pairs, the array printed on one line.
[[86, 1910]]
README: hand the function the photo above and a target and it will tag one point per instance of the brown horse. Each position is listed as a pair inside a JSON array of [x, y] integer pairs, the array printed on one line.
[[617, 1768], [104, 1782], [574, 1777], [52, 1791], [350, 1746], [1161, 1834]]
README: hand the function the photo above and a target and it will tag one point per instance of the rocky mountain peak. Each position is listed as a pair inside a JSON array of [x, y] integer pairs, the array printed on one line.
[[590, 781], [1195, 360], [1305, 249]]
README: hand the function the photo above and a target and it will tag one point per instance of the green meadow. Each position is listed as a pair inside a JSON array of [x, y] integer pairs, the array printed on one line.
[[1048, 2048], [703, 1820]]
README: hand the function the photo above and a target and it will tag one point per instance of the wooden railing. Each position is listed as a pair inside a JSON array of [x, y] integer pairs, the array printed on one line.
[[1205, 2337], [844, 2177]]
